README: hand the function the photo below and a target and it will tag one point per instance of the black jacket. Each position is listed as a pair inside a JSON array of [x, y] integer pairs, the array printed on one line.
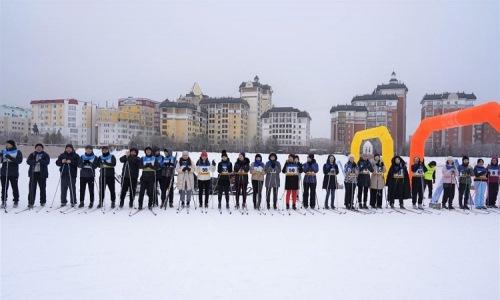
[[107, 165], [398, 181], [222, 168], [87, 166], [43, 159], [131, 165], [73, 166], [243, 167], [12, 162], [364, 169]]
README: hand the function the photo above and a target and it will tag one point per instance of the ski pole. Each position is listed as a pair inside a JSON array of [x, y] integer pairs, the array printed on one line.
[[5, 188], [71, 190], [57, 187]]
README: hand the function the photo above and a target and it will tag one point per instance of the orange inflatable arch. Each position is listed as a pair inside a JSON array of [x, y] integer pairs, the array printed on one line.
[[485, 113]]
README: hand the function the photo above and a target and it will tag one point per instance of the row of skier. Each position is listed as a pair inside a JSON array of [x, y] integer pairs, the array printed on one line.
[[158, 171]]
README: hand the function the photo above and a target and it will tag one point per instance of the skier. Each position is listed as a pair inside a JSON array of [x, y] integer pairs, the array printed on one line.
[[493, 182], [364, 169], [160, 181], [350, 179], [417, 184], [430, 178], [106, 163], [292, 181], [10, 158], [204, 170], [224, 168], [449, 179], [465, 173], [377, 182], [241, 168], [310, 168], [258, 173], [168, 174], [38, 174], [330, 169], [149, 165], [87, 163], [68, 168], [185, 178], [480, 183], [398, 182], [130, 174], [272, 170]]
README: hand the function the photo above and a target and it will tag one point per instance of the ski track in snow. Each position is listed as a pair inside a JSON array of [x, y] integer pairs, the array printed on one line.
[[213, 256]]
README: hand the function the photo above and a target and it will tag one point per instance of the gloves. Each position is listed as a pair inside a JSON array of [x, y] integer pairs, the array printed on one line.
[[186, 169], [213, 163]]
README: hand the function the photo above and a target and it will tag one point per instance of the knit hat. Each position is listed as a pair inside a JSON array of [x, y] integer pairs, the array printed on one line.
[[39, 145], [449, 158], [12, 143], [89, 147], [224, 153], [465, 157], [185, 153], [204, 154]]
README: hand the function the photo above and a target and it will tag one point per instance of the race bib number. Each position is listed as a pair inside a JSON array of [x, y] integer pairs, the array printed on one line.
[[292, 170]]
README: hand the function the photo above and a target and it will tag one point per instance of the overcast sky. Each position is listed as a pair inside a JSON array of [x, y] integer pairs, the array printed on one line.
[[314, 54]]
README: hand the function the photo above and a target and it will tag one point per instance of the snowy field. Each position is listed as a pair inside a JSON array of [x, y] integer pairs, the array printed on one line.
[[213, 256]]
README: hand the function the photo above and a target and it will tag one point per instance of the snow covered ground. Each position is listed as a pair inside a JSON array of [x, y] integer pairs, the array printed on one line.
[[213, 256]]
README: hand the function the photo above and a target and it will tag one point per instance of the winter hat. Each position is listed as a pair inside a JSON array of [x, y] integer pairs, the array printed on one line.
[[12, 143], [449, 158], [134, 150], [185, 153], [311, 156], [204, 154], [39, 145], [151, 149], [465, 157], [69, 146], [89, 147], [224, 153], [258, 155]]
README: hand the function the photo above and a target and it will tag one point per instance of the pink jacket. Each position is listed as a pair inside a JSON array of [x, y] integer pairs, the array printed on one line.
[[449, 175]]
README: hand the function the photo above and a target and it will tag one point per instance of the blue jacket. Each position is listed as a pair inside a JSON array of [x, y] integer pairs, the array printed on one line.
[[310, 167]]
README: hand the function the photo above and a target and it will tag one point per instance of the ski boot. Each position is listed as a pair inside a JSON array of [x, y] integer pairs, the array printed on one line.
[[91, 205], [365, 206], [287, 206], [15, 204], [81, 205], [113, 204], [420, 207], [294, 207]]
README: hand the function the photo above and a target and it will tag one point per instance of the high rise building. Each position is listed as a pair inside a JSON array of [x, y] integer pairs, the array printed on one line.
[[438, 104], [386, 106], [227, 121], [183, 122], [259, 98], [143, 111], [73, 118], [345, 121], [15, 120], [289, 127]]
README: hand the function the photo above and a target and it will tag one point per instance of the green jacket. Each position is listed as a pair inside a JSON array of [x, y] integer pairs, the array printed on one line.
[[430, 174]]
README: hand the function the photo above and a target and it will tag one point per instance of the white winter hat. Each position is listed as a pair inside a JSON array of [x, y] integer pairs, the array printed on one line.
[[185, 153], [449, 158]]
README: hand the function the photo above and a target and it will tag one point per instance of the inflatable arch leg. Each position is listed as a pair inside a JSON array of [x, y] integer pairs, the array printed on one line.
[[488, 112], [382, 133]]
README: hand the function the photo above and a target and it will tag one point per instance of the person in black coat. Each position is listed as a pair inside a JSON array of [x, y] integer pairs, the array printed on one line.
[[224, 168], [10, 158], [331, 170], [364, 169], [130, 175], [38, 174], [107, 163], [68, 168], [398, 182], [292, 169], [241, 168], [87, 164], [149, 165], [417, 182]]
